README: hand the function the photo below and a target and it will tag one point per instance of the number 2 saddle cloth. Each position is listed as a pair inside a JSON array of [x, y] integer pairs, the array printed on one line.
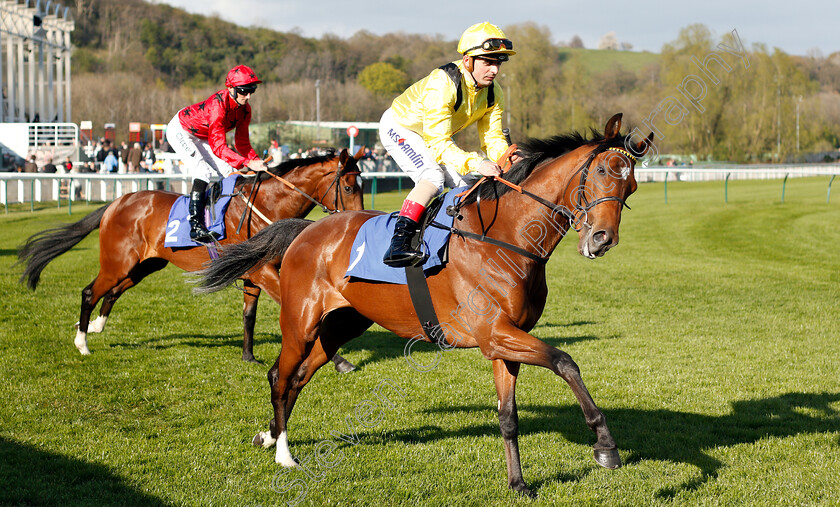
[[178, 225]]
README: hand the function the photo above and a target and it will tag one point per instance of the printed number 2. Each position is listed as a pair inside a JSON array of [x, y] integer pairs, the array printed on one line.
[[173, 229]]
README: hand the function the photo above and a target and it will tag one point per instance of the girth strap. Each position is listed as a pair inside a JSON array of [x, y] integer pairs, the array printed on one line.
[[421, 298]]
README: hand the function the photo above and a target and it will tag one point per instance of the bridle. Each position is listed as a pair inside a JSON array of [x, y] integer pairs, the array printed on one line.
[[339, 197], [318, 202], [581, 202]]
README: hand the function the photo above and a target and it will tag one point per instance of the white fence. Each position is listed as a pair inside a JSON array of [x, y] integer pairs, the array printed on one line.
[[36, 187], [735, 172]]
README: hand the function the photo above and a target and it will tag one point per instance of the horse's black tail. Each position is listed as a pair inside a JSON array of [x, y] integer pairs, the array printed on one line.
[[42, 247], [237, 260]]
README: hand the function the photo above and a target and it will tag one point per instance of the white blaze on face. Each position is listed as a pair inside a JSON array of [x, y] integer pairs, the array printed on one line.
[[623, 162], [625, 171]]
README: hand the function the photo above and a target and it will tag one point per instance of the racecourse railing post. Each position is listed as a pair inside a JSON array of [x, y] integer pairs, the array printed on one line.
[[70, 192], [828, 194], [31, 195], [726, 188], [666, 187], [373, 193], [784, 183]]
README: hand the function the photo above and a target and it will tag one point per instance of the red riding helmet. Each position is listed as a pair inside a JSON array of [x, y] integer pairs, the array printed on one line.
[[241, 75]]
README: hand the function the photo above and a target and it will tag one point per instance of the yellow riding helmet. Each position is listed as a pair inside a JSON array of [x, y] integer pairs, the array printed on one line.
[[485, 39]]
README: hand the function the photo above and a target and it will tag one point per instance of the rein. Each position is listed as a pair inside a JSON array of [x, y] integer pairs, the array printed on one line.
[[583, 205], [318, 202], [288, 184]]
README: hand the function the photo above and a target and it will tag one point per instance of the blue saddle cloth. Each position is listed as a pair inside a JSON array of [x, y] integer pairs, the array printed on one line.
[[374, 238], [178, 224]]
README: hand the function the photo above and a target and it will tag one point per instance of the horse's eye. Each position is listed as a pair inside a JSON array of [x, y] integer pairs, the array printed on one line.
[[602, 170], [348, 188]]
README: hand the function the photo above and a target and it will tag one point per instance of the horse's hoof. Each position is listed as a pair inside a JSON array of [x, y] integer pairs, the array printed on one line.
[[263, 439], [608, 458], [251, 359], [344, 367], [523, 490]]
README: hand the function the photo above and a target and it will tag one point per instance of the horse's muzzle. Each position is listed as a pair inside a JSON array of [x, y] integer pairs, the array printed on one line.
[[595, 243]]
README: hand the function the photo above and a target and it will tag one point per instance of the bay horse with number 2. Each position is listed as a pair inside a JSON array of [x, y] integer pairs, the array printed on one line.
[[566, 181], [132, 230]]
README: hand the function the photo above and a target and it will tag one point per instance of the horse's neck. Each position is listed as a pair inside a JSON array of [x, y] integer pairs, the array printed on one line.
[[284, 202], [527, 223]]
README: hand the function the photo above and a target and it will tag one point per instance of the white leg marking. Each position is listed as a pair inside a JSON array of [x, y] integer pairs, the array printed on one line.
[[81, 343], [97, 325], [283, 456], [267, 439]]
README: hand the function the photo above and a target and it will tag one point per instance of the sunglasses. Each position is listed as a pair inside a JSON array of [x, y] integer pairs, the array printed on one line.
[[496, 59], [494, 45], [245, 90]]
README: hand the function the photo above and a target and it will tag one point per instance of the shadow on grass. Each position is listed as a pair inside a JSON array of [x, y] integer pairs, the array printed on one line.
[[380, 345], [384, 345], [662, 435], [565, 324], [194, 340], [182, 339], [34, 477]]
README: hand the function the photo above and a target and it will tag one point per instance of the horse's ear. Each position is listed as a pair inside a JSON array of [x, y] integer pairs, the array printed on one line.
[[613, 126], [359, 154], [643, 146], [343, 156]]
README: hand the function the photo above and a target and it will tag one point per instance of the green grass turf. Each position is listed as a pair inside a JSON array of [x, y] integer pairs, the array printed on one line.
[[710, 337]]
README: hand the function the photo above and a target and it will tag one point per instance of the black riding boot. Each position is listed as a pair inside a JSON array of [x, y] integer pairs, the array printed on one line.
[[198, 200], [401, 254]]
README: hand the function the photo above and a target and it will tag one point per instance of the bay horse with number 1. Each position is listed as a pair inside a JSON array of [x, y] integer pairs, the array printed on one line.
[[566, 181], [132, 230]]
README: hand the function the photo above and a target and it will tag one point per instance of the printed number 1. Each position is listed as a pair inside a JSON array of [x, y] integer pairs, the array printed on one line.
[[361, 251]]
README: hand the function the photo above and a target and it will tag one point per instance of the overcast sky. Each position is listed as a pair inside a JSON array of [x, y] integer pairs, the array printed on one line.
[[794, 26]]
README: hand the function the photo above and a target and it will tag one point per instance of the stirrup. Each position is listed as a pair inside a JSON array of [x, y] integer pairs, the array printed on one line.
[[201, 234], [410, 259]]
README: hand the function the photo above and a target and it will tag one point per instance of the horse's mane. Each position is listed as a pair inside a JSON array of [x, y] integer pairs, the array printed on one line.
[[292, 164], [535, 151]]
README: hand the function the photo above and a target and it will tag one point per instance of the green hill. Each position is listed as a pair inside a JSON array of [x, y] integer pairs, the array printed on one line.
[[597, 61]]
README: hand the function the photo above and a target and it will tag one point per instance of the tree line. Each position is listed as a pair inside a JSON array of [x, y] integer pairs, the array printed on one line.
[[138, 61]]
